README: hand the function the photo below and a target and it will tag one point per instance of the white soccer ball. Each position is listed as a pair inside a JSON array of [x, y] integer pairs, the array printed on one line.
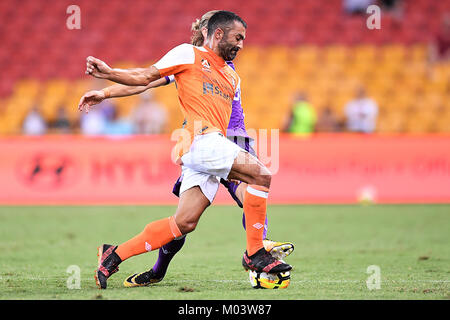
[[264, 280]]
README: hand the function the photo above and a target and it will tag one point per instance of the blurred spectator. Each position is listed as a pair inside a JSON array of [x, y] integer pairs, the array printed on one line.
[[94, 122], [34, 123], [357, 6], [61, 124], [440, 48], [328, 121], [149, 117], [395, 8], [361, 113], [389, 5], [302, 118], [115, 125]]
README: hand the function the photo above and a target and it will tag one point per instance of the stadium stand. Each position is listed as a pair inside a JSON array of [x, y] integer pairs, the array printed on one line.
[[309, 45]]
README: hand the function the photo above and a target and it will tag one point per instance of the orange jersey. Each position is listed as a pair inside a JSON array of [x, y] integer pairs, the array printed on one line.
[[206, 88]]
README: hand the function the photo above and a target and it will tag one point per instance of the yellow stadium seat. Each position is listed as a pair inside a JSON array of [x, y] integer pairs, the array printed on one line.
[[418, 53], [336, 54], [392, 53], [306, 55], [53, 96], [442, 122], [390, 121], [420, 121], [364, 54], [412, 95]]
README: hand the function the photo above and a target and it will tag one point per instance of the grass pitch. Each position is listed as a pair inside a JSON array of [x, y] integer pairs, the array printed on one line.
[[334, 246]]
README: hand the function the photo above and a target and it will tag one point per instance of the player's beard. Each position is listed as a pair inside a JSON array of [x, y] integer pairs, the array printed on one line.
[[227, 51]]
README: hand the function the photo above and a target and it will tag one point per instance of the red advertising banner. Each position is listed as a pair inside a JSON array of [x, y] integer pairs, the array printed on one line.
[[343, 168], [138, 170]]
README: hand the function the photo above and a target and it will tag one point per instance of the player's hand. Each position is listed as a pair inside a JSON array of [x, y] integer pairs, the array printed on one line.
[[97, 68], [90, 99]]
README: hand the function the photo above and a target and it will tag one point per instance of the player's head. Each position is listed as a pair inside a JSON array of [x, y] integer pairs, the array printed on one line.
[[200, 28], [228, 29]]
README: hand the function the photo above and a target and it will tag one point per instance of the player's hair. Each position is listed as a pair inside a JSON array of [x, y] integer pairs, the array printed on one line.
[[197, 38], [222, 19]]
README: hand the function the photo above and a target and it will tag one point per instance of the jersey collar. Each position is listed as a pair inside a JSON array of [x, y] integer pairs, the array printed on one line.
[[217, 59]]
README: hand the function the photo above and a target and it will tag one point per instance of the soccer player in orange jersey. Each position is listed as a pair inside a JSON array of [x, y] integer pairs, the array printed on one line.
[[206, 87], [236, 132]]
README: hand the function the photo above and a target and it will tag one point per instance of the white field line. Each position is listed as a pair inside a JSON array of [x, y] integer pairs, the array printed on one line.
[[37, 278]]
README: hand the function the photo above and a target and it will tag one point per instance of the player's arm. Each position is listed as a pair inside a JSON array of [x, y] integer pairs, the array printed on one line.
[[175, 61], [121, 90], [130, 77], [94, 97]]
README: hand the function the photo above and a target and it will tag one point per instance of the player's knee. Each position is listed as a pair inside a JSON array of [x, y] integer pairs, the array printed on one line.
[[264, 179], [186, 226]]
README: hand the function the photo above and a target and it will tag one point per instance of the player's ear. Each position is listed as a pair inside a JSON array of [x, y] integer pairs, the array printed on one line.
[[218, 34]]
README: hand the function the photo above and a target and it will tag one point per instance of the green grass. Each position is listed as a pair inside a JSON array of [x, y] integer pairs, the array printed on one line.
[[334, 245]]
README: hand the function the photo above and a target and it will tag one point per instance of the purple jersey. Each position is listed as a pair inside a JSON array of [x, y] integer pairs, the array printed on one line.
[[236, 126]]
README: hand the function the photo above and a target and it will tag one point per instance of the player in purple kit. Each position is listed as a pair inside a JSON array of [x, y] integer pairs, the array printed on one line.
[[236, 132]]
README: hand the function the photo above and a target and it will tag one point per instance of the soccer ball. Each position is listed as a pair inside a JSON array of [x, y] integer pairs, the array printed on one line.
[[264, 280]]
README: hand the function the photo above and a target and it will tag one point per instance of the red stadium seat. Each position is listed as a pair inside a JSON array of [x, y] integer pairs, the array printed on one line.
[[143, 30]]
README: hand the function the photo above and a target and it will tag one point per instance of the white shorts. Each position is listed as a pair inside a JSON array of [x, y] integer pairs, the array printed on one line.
[[210, 158]]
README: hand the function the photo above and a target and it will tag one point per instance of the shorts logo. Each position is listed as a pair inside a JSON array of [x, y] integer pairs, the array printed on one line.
[[165, 251], [148, 247], [258, 225]]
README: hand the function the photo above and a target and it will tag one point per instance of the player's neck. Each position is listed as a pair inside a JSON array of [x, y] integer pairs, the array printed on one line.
[[215, 54], [213, 47]]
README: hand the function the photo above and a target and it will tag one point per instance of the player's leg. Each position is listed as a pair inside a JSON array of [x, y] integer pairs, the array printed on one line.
[[191, 205], [195, 200], [167, 251], [158, 271], [165, 255], [249, 169], [237, 188], [215, 155], [278, 249]]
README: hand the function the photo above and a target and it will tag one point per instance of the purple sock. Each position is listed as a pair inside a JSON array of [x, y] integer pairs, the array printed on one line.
[[166, 253], [266, 225]]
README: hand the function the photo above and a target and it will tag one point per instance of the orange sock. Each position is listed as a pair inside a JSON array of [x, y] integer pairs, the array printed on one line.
[[255, 206], [155, 235]]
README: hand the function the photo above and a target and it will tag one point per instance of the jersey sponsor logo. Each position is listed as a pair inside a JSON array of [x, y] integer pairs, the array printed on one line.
[[209, 88]]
